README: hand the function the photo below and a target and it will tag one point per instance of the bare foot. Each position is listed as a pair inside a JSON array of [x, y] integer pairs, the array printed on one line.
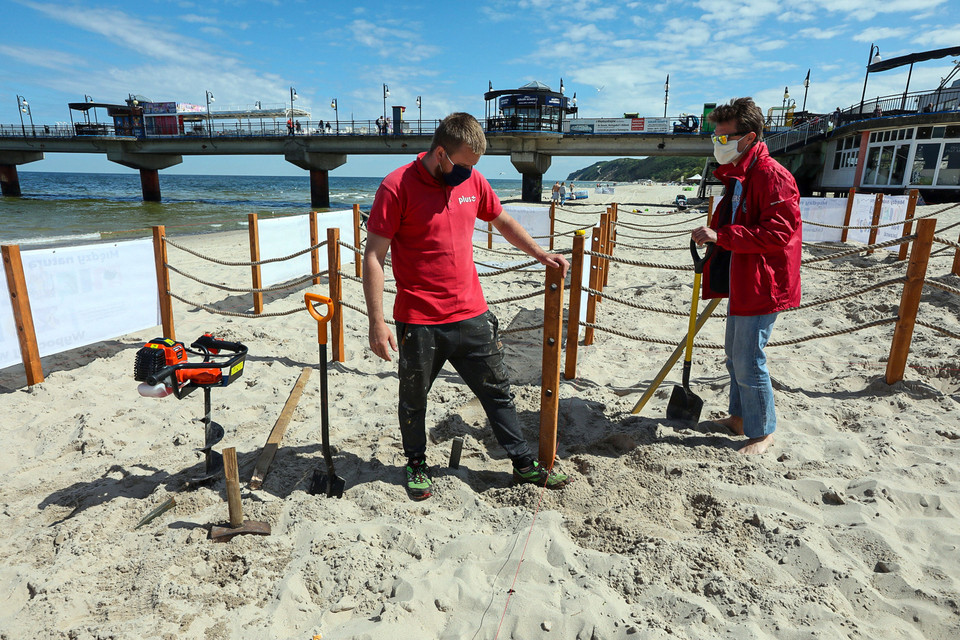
[[757, 445], [733, 423]]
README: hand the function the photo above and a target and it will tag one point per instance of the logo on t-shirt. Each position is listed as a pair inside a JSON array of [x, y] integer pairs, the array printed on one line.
[[467, 199]]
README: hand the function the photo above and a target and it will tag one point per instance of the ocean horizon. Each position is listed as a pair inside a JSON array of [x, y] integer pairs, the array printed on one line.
[[73, 207]]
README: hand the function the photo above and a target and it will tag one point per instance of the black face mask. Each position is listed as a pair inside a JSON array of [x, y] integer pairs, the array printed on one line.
[[458, 175]]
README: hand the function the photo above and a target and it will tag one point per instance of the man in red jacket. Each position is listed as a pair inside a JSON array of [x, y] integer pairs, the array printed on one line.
[[756, 228]]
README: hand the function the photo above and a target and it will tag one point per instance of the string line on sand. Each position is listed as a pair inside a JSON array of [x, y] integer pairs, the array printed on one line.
[[714, 345], [252, 263], [223, 287]]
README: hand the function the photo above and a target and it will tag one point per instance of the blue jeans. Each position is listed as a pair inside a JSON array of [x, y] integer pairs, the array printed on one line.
[[751, 394]]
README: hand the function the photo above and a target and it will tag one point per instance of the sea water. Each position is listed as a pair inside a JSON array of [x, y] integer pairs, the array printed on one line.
[[75, 208]]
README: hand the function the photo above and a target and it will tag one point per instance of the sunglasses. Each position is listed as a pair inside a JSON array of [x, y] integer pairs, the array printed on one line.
[[723, 139]]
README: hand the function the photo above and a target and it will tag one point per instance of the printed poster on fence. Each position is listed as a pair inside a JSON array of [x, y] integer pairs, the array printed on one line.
[[536, 220], [90, 293], [822, 211], [9, 343], [281, 237]]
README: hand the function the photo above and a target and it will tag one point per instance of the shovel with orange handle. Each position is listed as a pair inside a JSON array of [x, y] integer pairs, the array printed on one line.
[[329, 483]]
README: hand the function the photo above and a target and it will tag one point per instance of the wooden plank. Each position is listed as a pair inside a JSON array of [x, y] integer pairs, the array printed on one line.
[[163, 281], [573, 317], [956, 261], [336, 293], [553, 222], [910, 300], [230, 473], [255, 257], [593, 281], [550, 385], [602, 265], [908, 222], [357, 232], [846, 217], [279, 429], [489, 235], [315, 251], [877, 206], [22, 315]]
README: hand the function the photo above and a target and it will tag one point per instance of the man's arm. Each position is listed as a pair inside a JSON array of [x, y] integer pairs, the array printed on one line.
[[518, 237], [374, 257]]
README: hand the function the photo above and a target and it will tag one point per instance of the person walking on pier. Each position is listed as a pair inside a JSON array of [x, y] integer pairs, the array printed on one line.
[[424, 213], [756, 228]]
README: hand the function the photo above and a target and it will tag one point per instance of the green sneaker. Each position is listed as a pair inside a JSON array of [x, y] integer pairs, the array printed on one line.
[[418, 480], [540, 476]]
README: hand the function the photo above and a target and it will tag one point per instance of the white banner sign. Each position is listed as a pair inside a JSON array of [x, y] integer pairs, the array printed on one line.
[[894, 209], [861, 215], [9, 344], [536, 220], [829, 211], [81, 295], [283, 236]]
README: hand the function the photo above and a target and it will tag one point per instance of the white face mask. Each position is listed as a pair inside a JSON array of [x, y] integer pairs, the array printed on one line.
[[726, 153]]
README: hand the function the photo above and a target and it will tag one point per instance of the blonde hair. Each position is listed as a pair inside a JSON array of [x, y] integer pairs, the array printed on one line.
[[458, 129]]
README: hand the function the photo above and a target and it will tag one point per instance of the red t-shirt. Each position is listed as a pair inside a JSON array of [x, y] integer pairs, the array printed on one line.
[[430, 225]]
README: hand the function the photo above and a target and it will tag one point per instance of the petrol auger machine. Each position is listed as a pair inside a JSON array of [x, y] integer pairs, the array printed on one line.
[[162, 369]]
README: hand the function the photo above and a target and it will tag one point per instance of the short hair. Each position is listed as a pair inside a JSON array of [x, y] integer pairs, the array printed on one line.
[[458, 129], [744, 112]]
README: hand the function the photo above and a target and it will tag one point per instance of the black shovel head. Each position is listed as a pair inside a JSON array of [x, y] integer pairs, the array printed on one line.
[[684, 405], [330, 485]]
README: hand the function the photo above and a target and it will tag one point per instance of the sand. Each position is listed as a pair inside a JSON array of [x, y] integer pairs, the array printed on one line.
[[848, 527]]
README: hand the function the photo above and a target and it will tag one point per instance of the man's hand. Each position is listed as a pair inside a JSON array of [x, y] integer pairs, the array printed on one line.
[[555, 260], [382, 340], [703, 235]]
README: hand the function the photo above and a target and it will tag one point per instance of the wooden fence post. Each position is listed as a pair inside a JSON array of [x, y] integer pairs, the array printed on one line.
[[846, 217], [315, 251], [22, 315], [356, 241], [553, 222], [908, 222], [956, 261], [594, 281], [255, 257], [489, 235], [336, 293], [602, 264], [877, 206], [611, 239], [163, 281], [550, 386], [573, 315], [910, 300]]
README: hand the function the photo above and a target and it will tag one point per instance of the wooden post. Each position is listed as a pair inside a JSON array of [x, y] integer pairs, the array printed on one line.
[[553, 222], [573, 316], [846, 217], [956, 261], [358, 262], [709, 212], [611, 239], [336, 293], [163, 281], [594, 284], [489, 235], [602, 264], [315, 251], [910, 300], [255, 257], [232, 476], [550, 386], [877, 206], [22, 315], [908, 222]]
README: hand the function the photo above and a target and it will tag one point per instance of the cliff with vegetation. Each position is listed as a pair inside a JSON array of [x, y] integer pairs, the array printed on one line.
[[656, 168]]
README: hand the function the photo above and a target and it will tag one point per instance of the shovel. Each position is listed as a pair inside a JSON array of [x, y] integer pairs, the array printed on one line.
[[685, 404], [329, 483]]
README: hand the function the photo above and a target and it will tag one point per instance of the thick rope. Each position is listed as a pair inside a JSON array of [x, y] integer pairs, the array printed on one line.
[[856, 250], [949, 243], [940, 285], [363, 311], [347, 276], [876, 267], [504, 332], [945, 332], [224, 287], [347, 245], [242, 264], [523, 296], [234, 314], [639, 263], [664, 235], [642, 227]]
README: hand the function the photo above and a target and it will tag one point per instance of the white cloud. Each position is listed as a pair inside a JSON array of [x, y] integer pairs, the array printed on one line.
[[817, 33], [770, 45], [45, 58], [945, 37], [389, 37], [876, 34]]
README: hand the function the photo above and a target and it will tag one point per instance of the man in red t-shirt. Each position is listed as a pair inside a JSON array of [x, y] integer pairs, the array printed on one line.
[[424, 213]]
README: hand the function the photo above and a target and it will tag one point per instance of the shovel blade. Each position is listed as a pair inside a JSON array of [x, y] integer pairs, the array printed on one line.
[[684, 405], [323, 484]]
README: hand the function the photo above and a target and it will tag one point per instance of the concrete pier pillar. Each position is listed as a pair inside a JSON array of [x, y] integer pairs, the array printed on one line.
[[532, 165], [319, 189], [150, 185], [9, 181], [319, 165]]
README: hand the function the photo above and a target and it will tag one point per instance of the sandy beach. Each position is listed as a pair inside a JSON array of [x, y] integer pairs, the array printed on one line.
[[849, 527]]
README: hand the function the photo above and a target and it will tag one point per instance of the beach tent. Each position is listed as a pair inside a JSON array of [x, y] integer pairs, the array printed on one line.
[[694, 178]]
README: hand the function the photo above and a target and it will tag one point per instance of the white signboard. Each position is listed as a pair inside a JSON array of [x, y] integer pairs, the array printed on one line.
[[894, 209], [81, 295], [9, 344], [284, 236], [829, 211], [861, 215], [536, 220]]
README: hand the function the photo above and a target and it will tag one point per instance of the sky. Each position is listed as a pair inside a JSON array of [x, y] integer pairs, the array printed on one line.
[[615, 55]]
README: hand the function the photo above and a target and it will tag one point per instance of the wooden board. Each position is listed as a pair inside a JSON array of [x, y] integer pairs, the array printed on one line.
[[280, 428]]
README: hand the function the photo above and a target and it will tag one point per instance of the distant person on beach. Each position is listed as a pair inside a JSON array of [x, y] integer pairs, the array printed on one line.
[[555, 192], [563, 193], [756, 228], [424, 213]]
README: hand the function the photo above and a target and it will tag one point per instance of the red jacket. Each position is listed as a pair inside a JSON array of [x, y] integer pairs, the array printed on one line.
[[764, 238]]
